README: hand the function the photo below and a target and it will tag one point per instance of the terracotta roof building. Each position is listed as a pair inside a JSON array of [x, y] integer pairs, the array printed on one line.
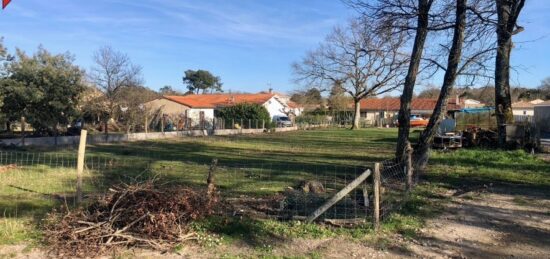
[[200, 108], [418, 105], [383, 111]]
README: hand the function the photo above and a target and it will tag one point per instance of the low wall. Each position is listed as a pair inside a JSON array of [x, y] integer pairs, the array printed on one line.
[[286, 129], [119, 137], [227, 132], [99, 138]]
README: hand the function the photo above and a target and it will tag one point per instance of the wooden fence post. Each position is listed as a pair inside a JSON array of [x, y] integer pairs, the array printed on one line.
[[376, 201], [409, 170], [210, 180], [80, 165]]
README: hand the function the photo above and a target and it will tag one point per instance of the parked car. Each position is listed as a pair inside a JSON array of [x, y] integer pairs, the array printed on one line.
[[282, 121], [75, 128], [416, 121]]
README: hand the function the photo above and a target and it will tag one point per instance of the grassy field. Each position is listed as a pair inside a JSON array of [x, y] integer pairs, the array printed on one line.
[[254, 165]]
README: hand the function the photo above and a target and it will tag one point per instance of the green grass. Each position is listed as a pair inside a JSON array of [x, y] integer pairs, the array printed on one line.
[[258, 165], [489, 166]]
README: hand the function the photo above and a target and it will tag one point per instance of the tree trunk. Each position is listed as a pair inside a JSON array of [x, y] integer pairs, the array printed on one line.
[[422, 151], [356, 114], [410, 80], [503, 99], [508, 12]]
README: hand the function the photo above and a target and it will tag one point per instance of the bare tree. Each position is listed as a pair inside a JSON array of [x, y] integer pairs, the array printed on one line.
[[545, 84], [403, 16], [132, 109], [430, 91], [472, 45], [112, 72], [362, 61], [508, 12], [451, 73]]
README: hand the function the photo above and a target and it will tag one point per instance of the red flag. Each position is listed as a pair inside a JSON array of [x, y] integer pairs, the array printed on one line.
[[5, 3]]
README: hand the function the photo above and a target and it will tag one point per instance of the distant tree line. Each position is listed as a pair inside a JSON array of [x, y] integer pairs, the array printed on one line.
[[50, 92]]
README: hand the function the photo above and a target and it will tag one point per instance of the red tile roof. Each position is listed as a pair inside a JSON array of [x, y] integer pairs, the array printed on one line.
[[219, 100], [392, 104]]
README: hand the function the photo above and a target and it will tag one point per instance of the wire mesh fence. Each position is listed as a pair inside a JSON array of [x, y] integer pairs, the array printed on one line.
[[223, 123], [393, 186], [277, 190], [35, 181]]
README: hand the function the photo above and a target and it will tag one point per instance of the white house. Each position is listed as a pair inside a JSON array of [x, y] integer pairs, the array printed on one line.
[[526, 108], [199, 108]]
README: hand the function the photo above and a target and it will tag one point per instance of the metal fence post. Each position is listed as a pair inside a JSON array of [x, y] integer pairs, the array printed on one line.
[[80, 165], [376, 201]]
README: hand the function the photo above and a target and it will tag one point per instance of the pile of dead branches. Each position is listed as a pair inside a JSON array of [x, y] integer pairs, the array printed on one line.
[[138, 215]]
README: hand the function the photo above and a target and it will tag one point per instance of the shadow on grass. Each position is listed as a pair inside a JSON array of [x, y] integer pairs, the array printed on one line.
[[251, 232]]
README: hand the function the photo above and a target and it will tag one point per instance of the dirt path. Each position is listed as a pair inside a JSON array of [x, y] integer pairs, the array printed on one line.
[[496, 222]]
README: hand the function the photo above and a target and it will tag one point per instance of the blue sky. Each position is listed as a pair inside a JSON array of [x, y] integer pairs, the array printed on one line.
[[248, 43]]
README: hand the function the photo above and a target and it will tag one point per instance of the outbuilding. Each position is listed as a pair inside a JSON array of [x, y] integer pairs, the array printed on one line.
[[542, 123], [375, 109]]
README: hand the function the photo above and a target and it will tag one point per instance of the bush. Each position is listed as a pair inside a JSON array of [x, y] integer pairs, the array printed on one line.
[[245, 111]]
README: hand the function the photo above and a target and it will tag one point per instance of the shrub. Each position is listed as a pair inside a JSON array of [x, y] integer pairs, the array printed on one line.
[[245, 111]]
